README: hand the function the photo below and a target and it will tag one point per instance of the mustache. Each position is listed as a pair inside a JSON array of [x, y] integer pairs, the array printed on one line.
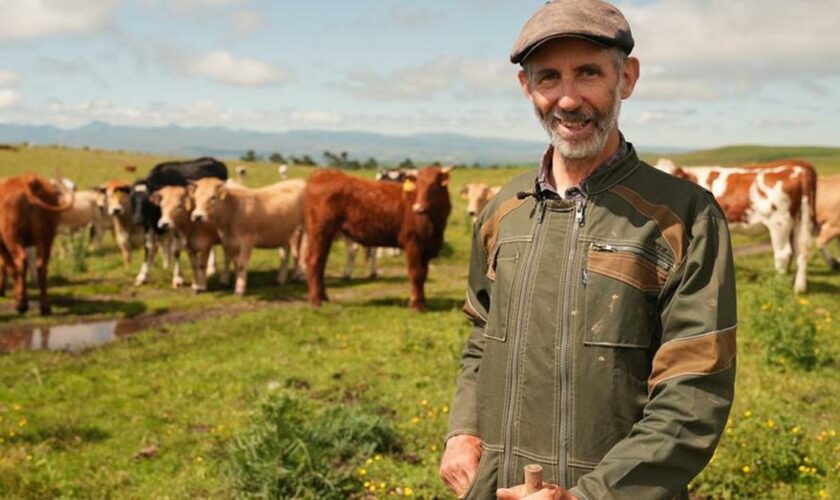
[[578, 115]]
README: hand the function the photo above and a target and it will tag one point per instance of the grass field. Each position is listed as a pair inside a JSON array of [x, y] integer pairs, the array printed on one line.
[[160, 413]]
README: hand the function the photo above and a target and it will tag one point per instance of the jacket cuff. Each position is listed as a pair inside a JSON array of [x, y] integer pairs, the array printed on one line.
[[459, 432]]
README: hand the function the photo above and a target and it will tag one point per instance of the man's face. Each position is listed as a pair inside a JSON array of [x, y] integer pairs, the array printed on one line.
[[577, 91]]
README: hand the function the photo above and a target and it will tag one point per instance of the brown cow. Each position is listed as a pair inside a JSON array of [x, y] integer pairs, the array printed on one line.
[[828, 215], [31, 207], [198, 237], [780, 195], [268, 217], [411, 215]]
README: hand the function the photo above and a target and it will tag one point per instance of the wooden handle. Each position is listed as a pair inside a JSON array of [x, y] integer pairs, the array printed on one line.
[[533, 478]]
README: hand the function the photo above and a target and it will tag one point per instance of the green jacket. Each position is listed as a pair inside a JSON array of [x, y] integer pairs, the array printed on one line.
[[603, 345]]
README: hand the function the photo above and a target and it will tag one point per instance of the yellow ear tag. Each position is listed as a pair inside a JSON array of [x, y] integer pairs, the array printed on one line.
[[409, 185]]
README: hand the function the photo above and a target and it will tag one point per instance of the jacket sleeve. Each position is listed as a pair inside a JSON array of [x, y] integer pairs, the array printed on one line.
[[691, 385], [463, 416]]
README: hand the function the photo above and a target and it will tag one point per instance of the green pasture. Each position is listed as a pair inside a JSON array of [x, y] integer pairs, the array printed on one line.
[[181, 409]]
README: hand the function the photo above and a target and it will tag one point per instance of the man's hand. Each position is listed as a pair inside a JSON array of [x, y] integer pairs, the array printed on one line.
[[460, 462], [548, 492]]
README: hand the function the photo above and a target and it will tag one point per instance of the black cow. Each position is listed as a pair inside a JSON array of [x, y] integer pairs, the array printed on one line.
[[147, 214]]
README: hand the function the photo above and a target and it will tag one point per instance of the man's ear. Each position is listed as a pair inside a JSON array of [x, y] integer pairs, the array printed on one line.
[[523, 82], [630, 74]]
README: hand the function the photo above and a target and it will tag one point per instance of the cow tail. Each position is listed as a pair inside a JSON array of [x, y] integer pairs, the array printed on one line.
[[34, 198]]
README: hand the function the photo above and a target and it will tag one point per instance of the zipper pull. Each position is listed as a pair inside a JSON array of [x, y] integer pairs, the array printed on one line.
[[579, 212], [584, 277], [542, 210], [601, 247]]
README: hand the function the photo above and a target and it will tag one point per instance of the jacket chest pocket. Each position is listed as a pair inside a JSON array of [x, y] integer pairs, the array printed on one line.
[[622, 286], [505, 266]]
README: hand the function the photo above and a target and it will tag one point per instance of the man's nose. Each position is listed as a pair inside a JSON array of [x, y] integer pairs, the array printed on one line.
[[570, 98]]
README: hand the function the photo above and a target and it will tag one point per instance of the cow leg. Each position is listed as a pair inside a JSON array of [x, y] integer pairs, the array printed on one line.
[[802, 235], [352, 250], [210, 259], [372, 256], [6, 264], [418, 269], [177, 277], [149, 256], [241, 262], [780, 238], [828, 232], [198, 262], [17, 265], [283, 273], [320, 239], [167, 244], [299, 248], [42, 264]]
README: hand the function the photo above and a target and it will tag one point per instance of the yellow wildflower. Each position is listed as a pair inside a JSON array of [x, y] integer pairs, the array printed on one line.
[[748, 413], [362, 471], [368, 461], [377, 457], [770, 423], [746, 469], [16, 407], [415, 420], [407, 491], [804, 301], [433, 447], [765, 307], [199, 459], [424, 402], [372, 487], [823, 494], [795, 430]]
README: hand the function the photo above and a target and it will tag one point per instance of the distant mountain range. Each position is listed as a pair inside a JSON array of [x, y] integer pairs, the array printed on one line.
[[223, 142]]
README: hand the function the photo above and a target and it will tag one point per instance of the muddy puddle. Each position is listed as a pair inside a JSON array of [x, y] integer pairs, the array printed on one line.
[[81, 336], [70, 338]]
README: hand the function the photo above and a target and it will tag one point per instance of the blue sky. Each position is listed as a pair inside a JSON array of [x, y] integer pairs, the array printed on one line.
[[714, 72]]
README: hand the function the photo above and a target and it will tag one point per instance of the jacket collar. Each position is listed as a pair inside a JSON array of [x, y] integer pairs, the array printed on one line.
[[602, 178]]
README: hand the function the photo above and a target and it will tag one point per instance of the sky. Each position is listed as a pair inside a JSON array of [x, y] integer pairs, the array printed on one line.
[[713, 72]]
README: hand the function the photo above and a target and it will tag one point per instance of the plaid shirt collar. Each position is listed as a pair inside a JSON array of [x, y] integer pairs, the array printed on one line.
[[577, 192]]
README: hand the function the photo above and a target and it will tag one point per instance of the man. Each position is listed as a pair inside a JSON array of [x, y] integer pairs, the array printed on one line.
[[602, 295]]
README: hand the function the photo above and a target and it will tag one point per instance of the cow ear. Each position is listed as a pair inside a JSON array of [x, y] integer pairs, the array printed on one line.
[[447, 169], [464, 192], [222, 193], [191, 189], [154, 199]]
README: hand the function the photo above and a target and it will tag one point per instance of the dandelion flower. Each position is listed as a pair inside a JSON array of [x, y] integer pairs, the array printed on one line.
[[407, 491], [746, 469], [804, 301], [770, 423], [748, 413]]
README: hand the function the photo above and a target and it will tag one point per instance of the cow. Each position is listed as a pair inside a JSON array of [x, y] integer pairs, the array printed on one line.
[[828, 216], [198, 237], [147, 214], [477, 194], [85, 215], [30, 209], [116, 198], [780, 195], [411, 215], [283, 170], [392, 175], [241, 172], [268, 217]]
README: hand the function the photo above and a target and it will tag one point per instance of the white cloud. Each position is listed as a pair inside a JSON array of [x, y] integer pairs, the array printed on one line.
[[35, 18], [467, 77], [202, 4], [8, 98], [248, 22], [783, 122], [712, 49], [9, 78], [224, 67]]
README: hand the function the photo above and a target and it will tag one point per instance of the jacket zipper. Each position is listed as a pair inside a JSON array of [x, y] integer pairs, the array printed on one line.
[[507, 466], [655, 258], [565, 349]]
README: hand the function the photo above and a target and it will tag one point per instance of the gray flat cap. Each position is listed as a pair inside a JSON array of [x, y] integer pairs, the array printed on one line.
[[592, 20]]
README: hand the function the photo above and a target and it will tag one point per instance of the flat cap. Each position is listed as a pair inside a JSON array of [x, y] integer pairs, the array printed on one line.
[[592, 20]]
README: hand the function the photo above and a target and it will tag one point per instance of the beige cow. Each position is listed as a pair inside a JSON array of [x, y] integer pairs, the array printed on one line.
[[128, 235], [198, 238], [85, 215], [828, 216], [268, 217], [477, 194]]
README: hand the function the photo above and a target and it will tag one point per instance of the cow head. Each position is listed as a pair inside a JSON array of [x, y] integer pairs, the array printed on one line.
[[173, 202], [477, 194], [140, 203], [429, 186], [207, 195], [115, 196]]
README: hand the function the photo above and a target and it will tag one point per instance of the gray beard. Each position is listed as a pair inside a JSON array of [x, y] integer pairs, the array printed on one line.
[[579, 150]]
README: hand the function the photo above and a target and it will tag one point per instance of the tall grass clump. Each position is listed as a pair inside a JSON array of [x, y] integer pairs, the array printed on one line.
[[784, 324], [293, 450]]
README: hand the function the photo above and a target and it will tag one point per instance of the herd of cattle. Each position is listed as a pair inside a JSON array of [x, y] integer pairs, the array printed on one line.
[[192, 206]]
